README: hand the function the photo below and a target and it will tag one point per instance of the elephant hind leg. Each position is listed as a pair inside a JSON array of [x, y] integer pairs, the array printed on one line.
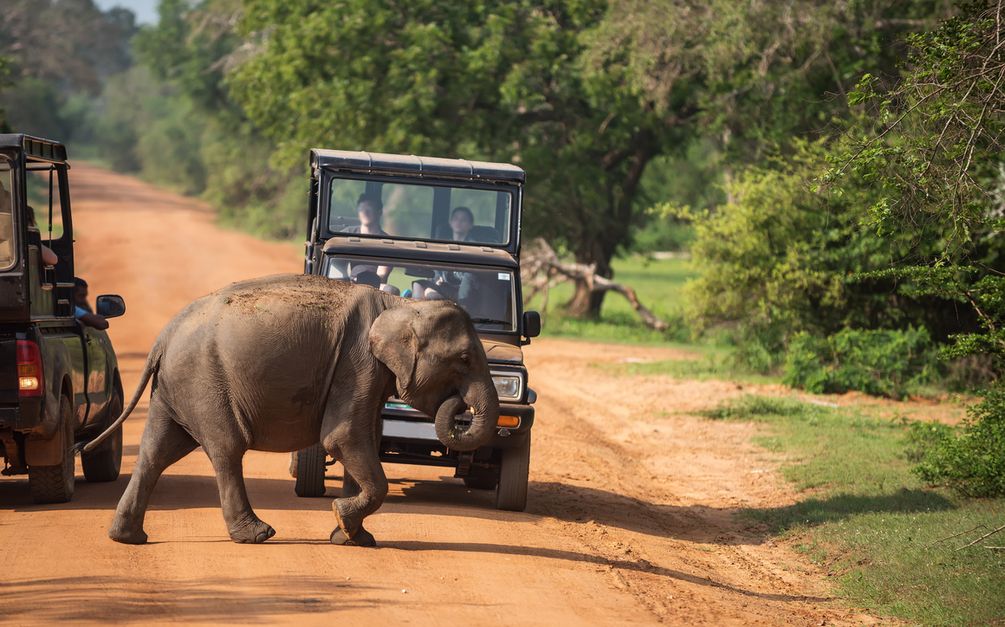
[[363, 465], [164, 442]]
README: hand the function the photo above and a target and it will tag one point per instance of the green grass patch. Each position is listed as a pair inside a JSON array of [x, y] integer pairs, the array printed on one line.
[[871, 522], [711, 363], [658, 283]]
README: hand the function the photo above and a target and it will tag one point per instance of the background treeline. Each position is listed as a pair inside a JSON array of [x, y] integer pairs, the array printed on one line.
[[834, 168]]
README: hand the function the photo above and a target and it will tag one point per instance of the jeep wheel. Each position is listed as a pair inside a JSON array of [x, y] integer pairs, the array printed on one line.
[[103, 463], [310, 469], [54, 484], [511, 494]]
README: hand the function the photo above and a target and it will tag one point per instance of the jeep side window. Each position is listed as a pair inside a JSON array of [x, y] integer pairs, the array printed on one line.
[[39, 200], [7, 249]]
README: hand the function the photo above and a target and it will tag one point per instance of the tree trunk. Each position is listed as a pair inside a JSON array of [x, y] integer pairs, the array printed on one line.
[[586, 302]]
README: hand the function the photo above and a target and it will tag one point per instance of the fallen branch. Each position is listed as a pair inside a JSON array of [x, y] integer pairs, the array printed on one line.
[[956, 535], [986, 535], [543, 269]]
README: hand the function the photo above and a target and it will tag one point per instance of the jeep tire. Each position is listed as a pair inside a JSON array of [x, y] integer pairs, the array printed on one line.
[[54, 484], [310, 471], [511, 494], [104, 463]]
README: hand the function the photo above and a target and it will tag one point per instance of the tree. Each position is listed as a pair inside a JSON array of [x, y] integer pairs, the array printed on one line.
[[494, 80], [4, 82], [71, 44]]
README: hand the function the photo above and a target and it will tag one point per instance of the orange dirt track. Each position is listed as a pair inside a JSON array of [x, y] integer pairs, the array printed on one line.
[[630, 519]]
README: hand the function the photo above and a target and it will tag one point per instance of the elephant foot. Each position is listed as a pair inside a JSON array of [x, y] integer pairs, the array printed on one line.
[[342, 537], [126, 535], [361, 538], [255, 532]]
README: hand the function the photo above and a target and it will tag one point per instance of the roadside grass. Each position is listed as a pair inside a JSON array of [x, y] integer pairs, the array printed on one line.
[[658, 283], [710, 363], [870, 522]]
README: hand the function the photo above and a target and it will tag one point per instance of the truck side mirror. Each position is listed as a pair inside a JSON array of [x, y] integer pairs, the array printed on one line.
[[531, 323], [111, 306]]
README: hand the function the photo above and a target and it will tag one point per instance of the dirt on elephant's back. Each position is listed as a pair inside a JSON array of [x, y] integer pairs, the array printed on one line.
[[630, 516], [306, 293]]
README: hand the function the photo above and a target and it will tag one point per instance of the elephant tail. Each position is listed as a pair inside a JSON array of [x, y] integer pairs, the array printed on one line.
[[153, 361]]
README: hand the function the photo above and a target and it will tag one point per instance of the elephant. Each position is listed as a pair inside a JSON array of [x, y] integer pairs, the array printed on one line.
[[282, 362]]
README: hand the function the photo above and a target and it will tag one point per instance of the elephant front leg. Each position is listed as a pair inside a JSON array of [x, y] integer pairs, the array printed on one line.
[[242, 523], [364, 467]]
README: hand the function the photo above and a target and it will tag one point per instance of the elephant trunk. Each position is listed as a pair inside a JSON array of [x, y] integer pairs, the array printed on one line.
[[484, 403]]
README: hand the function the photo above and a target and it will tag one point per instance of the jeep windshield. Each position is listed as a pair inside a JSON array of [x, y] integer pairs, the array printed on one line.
[[428, 210], [487, 294]]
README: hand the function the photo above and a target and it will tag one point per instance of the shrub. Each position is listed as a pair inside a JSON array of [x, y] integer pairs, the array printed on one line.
[[879, 362], [969, 458]]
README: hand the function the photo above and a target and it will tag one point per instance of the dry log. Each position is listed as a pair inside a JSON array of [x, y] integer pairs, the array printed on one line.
[[542, 269]]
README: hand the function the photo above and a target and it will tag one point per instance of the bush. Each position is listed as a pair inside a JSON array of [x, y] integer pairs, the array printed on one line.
[[879, 362], [969, 458]]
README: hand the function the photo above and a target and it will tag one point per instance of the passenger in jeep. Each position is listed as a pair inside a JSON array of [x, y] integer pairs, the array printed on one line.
[[82, 308], [370, 210]]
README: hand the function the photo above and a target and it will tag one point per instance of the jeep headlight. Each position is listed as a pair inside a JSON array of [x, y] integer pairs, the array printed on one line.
[[509, 385]]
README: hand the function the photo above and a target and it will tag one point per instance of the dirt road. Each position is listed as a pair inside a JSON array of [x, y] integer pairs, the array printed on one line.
[[632, 500]]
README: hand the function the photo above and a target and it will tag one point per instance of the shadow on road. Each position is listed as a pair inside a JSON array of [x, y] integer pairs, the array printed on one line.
[[207, 600], [566, 502], [693, 523], [621, 564]]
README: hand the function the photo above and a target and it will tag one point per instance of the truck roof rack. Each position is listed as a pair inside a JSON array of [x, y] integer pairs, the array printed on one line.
[[35, 148], [412, 165]]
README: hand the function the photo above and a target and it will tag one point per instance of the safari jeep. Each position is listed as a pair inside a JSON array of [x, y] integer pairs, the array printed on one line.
[[410, 247], [59, 380]]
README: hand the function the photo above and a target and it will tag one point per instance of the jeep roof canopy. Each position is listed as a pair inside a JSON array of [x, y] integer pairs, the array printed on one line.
[[34, 148], [434, 167]]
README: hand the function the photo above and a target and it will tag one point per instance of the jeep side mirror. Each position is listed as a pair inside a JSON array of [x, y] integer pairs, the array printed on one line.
[[111, 305], [531, 323]]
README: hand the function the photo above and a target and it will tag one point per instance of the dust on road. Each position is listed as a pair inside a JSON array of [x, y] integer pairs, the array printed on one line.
[[630, 516]]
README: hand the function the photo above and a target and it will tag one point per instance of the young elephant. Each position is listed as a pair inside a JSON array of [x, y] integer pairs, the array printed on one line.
[[282, 362]]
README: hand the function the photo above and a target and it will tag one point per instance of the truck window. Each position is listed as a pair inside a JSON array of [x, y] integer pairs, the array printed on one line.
[[407, 209], [38, 200], [423, 210], [7, 249]]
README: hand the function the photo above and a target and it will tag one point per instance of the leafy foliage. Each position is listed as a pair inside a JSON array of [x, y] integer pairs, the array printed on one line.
[[492, 80], [970, 459], [785, 256], [59, 53], [880, 362]]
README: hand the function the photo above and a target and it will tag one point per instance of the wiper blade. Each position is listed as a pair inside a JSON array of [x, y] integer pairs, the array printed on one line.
[[489, 321]]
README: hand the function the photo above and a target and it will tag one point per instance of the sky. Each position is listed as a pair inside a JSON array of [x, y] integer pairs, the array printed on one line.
[[145, 10]]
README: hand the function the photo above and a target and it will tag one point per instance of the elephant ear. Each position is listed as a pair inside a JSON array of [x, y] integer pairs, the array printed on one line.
[[394, 343]]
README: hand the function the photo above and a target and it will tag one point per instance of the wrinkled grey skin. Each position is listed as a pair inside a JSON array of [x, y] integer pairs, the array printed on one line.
[[282, 362]]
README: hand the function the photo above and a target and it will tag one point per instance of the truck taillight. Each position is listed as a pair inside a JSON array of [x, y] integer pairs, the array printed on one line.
[[30, 381]]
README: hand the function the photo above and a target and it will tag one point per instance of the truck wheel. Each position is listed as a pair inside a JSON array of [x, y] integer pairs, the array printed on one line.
[[482, 479], [310, 467], [54, 484], [511, 494], [103, 463]]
